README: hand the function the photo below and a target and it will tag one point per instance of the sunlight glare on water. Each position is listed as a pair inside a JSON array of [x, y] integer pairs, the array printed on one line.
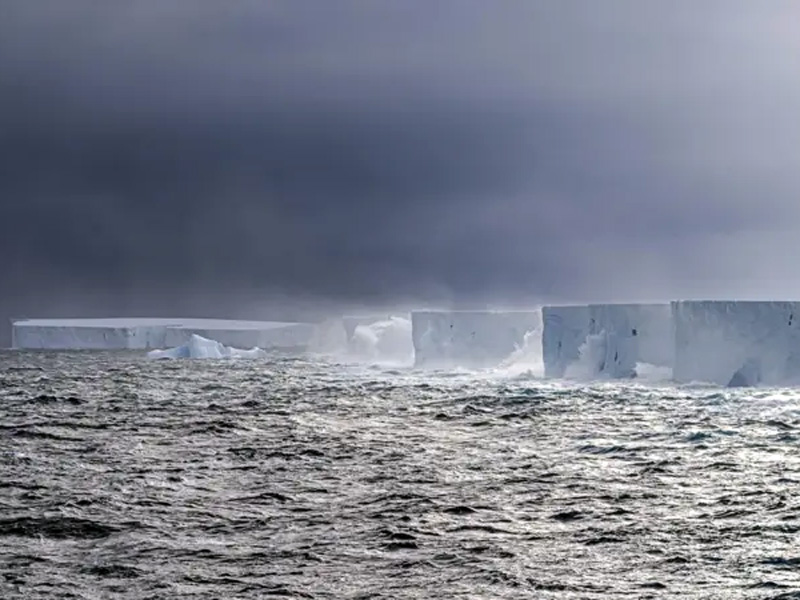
[[312, 479]]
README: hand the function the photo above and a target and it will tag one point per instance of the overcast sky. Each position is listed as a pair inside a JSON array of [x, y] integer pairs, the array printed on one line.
[[201, 156]]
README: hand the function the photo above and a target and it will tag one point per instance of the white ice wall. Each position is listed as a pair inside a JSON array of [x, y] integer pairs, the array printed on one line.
[[565, 330], [144, 333], [737, 343], [469, 339], [633, 334], [88, 338], [656, 344], [607, 340]]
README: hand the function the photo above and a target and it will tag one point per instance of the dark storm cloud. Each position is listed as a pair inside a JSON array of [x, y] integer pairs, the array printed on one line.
[[158, 153]]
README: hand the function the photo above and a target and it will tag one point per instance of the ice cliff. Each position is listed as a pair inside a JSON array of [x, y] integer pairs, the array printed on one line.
[[605, 340], [146, 333], [737, 343]]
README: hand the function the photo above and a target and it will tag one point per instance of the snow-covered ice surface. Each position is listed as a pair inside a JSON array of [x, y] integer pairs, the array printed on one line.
[[145, 333], [200, 347], [737, 343], [128, 478], [470, 339], [606, 340]]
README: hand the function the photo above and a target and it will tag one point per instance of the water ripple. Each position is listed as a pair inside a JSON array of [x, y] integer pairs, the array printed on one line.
[[293, 478]]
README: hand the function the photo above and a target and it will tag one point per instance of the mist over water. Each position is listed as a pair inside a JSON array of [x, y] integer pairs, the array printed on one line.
[[527, 359], [386, 341], [368, 340]]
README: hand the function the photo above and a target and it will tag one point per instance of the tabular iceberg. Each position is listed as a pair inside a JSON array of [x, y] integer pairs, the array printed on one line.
[[606, 340], [737, 343], [469, 339], [565, 330], [200, 347], [145, 333], [89, 334]]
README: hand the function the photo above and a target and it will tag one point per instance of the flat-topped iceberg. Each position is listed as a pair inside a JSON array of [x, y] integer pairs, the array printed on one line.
[[200, 347], [606, 340], [565, 331], [145, 333], [730, 343], [737, 343]]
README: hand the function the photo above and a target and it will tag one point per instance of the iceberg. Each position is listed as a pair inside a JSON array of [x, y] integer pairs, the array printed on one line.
[[737, 343], [606, 340], [470, 339], [89, 334], [565, 330], [200, 347], [147, 333]]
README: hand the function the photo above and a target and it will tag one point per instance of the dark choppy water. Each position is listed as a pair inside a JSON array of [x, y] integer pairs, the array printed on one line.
[[125, 478]]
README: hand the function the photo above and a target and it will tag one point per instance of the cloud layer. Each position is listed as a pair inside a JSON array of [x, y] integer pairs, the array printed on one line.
[[206, 157]]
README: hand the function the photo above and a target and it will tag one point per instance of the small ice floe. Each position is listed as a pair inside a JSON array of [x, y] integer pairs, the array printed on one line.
[[200, 347]]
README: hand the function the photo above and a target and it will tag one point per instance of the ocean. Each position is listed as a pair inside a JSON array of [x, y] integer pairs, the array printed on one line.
[[126, 478]]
